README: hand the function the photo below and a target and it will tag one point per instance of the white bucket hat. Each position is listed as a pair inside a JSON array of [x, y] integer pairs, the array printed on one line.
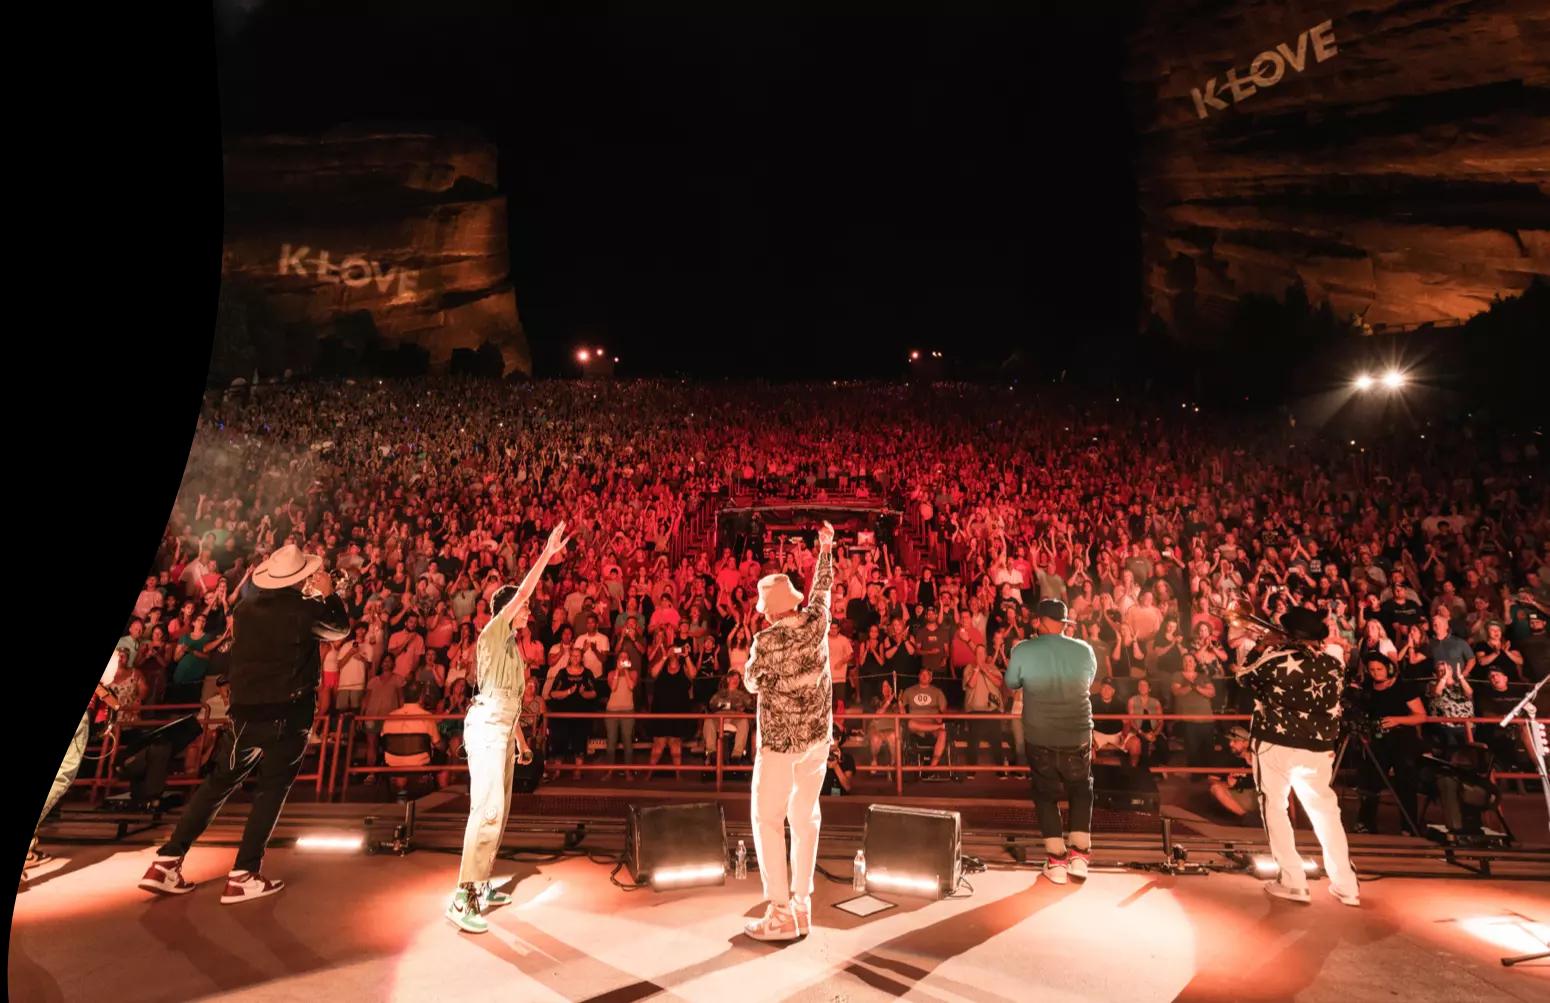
[[286, 567], [777, 587]]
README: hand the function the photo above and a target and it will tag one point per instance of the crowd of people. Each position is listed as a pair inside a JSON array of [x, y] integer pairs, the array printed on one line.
[[1427, 554]]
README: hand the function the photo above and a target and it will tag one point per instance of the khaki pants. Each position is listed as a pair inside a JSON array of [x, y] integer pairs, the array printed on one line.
[[69, 767], [739, 737], [1281, 769], [490, 738], [785, 788]]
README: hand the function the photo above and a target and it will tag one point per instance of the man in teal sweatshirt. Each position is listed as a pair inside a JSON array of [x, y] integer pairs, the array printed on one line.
[[1056, 673]]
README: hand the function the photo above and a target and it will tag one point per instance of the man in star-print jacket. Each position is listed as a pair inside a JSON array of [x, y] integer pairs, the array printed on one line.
[[1297, 689]]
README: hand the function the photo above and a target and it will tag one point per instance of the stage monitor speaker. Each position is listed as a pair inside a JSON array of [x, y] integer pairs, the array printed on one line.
[[1124, 788], [676, 845], [912, 851]]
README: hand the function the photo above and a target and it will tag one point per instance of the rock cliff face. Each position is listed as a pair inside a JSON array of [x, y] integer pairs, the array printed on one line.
[[402, 225], [1391, 155]]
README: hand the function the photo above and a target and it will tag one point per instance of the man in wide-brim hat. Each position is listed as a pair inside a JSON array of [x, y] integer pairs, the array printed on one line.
[[274, 674]]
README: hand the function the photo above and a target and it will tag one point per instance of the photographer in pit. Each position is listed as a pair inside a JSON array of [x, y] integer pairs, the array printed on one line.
[[1388, 710]]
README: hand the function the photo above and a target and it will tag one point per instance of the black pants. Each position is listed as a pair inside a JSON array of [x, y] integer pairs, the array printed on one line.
[[1061, 772], [1198, 738], [274, 749], [147, 771], [991, 733], [1399, 752]]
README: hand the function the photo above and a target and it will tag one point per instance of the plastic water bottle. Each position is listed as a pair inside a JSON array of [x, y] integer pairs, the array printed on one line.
[[858, 872], [740, 868]]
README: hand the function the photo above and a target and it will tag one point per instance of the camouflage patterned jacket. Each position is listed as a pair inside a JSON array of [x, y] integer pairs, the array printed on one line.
[[788, 667]]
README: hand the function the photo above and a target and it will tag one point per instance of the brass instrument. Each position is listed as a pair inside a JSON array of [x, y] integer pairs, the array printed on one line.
[[1240, 617]]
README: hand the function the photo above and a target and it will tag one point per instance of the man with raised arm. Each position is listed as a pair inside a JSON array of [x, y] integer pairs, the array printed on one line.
[[788, 668], [493, 742]]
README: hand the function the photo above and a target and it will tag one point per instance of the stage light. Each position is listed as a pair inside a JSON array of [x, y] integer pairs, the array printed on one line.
[[914, 356], [1364, 382], [1393, 379], [334, 842], [664, 878], [616, 360], [600, 353], [582, 355], [912, 851], [1266, 867]]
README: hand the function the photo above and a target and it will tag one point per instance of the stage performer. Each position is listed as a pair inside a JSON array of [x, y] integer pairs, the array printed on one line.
[[1297, 688], [276, 664], [494, 743], [788, 668], [1055, 674], [71, 764]]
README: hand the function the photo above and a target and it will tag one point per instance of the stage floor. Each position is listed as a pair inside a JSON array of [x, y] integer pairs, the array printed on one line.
[[367, 928]]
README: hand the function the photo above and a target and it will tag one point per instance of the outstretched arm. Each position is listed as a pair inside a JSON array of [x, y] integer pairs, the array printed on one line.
[[556, 543], [823, 577]]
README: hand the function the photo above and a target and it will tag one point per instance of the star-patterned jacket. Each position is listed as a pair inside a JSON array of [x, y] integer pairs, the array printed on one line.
[[788, 667], [1296, 698]]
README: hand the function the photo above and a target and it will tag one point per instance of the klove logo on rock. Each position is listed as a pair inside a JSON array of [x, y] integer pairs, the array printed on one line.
[[354, 271], [1267, 69]]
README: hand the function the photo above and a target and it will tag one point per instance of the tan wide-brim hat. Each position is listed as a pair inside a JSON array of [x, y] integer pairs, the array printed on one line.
[[287, 567], [778, 588]]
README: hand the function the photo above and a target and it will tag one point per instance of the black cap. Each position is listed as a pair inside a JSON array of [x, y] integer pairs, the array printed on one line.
[[1377, 657], [1303, 624], [1053, 609]]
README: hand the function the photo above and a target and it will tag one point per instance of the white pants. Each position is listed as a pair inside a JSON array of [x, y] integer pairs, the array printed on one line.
[[490, 738], [786, 787], [1281, 769]]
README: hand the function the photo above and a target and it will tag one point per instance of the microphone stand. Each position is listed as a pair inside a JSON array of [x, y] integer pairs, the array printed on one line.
[[1525, 710]]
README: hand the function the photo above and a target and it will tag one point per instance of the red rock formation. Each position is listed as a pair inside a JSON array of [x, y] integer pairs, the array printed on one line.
[[1404, 177], [403, 224]]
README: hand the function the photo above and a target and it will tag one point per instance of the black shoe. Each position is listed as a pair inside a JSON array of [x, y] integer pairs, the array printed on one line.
[[1361, 829]]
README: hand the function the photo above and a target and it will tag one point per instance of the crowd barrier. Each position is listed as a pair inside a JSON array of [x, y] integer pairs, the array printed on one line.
[[345, 730], [104, 777]]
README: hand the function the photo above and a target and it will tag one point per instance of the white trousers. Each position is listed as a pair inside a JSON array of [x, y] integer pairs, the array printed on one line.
[[490, 738], [1281, 769], [786, 786]]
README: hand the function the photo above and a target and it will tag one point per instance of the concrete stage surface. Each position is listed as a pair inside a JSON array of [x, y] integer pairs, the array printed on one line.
[[365, 928]]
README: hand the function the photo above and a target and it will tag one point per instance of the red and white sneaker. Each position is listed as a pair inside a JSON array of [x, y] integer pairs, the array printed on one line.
[[1057, 869], [165, 877], [245, 886], [1077, 863], [802, 909]]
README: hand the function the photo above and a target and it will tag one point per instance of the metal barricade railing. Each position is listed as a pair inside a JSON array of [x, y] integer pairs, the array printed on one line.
[[105, 777], [345, 729]]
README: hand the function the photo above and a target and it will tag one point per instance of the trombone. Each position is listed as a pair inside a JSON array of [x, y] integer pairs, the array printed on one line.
[[1240, 617]]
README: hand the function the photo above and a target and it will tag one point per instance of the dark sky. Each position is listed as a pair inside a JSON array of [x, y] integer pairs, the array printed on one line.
[[752, 194]]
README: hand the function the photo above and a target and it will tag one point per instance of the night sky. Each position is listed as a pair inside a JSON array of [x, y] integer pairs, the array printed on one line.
[[745, 195]]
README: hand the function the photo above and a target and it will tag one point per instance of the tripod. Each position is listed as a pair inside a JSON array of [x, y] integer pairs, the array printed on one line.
[[1365, 743], [1536, 744]]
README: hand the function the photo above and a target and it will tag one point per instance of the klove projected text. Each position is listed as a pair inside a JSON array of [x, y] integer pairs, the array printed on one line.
[[1267, 69], [353, 270]]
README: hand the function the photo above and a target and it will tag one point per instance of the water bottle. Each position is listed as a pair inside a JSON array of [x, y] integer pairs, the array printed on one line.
[[858, 872], [740, 868]]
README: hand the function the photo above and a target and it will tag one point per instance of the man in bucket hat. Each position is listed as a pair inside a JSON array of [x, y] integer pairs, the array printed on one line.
[[788, 667], [274, 673]]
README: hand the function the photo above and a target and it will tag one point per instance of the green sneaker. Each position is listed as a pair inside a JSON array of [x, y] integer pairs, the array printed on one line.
[[489, 898], [464, 913]]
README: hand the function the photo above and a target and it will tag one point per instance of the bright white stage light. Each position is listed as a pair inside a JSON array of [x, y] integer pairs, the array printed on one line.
[[336, 842], [1364, 382], [1393, 379], [914, 356], [1266, 867], [582, 355], [666, 878], [907, 884], [1510, 933]]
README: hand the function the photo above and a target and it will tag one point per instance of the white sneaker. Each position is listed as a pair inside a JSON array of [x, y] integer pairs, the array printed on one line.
[[245, 886], [775, 924], [1346, 898], [1057, 869], [165, 877], [1078, 861], [1275, 889]]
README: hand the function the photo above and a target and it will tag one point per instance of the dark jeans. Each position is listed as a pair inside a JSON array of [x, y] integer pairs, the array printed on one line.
[[991, 733], [275, 750], [1399, 753], [1198, 738], [1061, 772]]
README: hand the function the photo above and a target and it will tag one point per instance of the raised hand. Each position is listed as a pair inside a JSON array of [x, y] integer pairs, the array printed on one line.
[[826, 535]]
